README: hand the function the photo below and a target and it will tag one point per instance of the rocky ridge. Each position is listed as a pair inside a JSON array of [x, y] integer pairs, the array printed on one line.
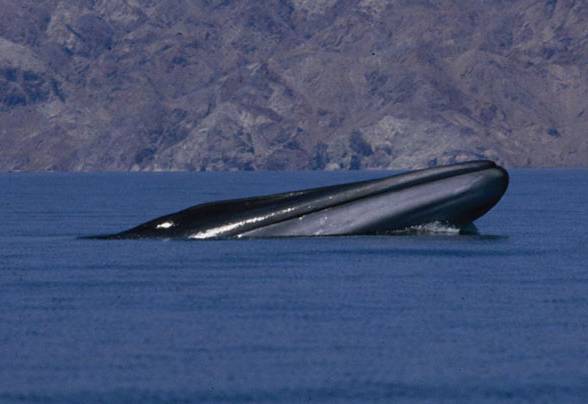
[[291, 84]]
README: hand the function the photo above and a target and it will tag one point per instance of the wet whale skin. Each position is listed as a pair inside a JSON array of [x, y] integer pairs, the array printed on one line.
[[455, 195]]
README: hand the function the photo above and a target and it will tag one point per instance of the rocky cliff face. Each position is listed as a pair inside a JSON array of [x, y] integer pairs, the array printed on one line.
[[291, 84]]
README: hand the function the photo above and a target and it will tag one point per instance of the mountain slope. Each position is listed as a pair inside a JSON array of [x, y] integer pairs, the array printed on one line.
[[299, 84]]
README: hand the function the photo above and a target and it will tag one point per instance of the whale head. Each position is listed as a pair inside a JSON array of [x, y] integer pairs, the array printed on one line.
[[455, 195]]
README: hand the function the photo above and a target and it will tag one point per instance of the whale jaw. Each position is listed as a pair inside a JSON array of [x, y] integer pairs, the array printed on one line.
[[455, 201], [455, 195]]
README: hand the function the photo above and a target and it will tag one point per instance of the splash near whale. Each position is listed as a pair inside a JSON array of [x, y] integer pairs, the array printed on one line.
[[453, 195]]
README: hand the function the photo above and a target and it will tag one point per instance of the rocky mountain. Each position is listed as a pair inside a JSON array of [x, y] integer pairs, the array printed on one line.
[[291, 84]]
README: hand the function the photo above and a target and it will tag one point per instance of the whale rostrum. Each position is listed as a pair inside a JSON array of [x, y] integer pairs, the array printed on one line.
[[454, 195]]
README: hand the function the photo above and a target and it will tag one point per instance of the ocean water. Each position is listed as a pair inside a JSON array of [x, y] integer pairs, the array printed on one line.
[[497, 317]]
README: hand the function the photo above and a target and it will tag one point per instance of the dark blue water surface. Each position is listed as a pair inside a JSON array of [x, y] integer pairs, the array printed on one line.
[[499, 317]]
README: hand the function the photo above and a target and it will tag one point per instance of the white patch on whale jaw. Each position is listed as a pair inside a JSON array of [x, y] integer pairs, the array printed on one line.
[[229, 227], [218, 231], [165, 225]]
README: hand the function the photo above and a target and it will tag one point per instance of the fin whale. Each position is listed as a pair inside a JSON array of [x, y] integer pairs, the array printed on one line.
[[455, 195]]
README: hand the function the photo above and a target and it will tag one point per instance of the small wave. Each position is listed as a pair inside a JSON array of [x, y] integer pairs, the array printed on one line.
[[434, 228]]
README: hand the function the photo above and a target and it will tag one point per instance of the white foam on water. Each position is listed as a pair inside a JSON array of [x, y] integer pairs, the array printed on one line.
[[430, 228]]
